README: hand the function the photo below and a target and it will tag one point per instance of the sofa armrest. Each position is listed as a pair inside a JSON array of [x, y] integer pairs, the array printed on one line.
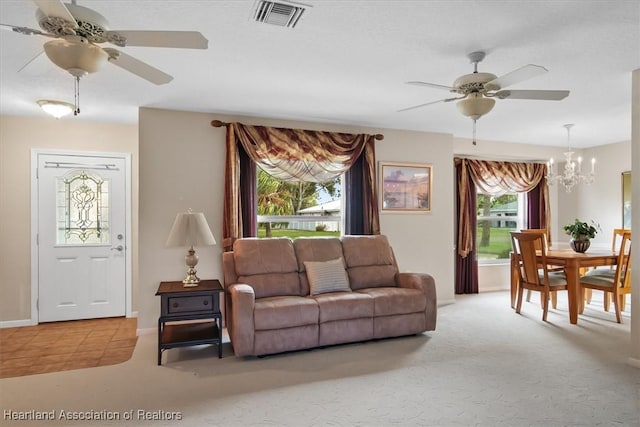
[[427, 284], [241, 327]]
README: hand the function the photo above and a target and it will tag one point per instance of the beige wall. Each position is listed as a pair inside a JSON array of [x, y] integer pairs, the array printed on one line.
[[18, 136], [182, 166]]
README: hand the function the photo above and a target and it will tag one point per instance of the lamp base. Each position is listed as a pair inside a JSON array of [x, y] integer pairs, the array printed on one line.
[[192, 260], [191, 279]]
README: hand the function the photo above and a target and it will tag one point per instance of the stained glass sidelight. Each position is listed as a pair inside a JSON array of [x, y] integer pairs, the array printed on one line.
[[82, 209]]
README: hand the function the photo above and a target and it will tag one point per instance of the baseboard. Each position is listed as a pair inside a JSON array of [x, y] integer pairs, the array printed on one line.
[[634, 362], [146, 331], [446, 302], [15, 323]]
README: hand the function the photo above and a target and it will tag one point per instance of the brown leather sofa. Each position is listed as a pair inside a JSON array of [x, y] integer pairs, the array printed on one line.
[[270, 307]]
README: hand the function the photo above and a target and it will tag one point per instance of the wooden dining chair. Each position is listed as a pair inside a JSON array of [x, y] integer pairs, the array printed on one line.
[[614, 282], [545, 246], [533, 274], [615, 246]]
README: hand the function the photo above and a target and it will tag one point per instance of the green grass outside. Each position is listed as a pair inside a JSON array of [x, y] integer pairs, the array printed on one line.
[[499, 244], [297, 233]]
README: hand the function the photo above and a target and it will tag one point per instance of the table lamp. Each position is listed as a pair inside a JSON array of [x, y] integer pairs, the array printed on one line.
[[190, 229]]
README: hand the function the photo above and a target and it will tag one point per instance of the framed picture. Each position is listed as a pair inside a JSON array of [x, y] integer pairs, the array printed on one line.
[[405, 187], [626, 200]]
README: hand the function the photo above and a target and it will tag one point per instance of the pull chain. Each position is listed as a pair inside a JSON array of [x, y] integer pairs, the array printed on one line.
[[474, 132], [77, 97]]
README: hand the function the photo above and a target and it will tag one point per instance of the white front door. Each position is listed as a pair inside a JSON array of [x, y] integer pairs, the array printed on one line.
[[81, 236]]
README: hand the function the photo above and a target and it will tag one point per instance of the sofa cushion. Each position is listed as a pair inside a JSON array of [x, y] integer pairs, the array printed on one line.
[[327, 276], [370, 261], [269, 266], [314, 249], [391, 301], [361, 251], [344, 306], [284, 312]]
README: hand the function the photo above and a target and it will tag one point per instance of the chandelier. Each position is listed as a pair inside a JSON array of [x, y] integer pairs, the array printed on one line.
[[572, 174]]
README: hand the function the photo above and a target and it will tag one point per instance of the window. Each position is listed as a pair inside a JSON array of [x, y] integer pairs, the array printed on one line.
[[294, 209], [497, 217], [82, 209]]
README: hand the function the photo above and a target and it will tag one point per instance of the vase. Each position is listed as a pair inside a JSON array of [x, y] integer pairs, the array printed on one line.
[[580, 245]]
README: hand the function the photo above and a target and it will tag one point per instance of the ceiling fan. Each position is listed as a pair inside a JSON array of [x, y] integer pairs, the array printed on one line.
[[476, 92], [78, 32]]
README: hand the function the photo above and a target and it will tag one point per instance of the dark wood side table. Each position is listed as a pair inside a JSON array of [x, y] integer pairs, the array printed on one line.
[[200, 305]]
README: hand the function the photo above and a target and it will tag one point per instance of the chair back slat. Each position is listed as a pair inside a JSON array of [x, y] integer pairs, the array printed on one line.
[[623, 268], [545, 240], [617, 234]]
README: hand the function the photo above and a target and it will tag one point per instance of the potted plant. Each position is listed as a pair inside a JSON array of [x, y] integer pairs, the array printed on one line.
[[580, 233]]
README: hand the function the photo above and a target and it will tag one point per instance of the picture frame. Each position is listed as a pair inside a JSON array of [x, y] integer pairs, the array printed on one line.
[[626, 200], [405, 187]]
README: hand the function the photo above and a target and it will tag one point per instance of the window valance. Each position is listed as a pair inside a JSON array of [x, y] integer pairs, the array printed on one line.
[[300, 155]]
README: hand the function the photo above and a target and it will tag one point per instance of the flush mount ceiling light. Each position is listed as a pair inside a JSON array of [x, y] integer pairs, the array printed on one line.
[[56, 108]]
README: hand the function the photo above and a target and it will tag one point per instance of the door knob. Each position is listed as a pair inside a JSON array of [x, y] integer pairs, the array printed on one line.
[[118, 248]]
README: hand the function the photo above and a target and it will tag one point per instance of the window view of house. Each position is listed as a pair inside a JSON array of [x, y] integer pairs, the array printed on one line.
[[497, 217], [295, 209]]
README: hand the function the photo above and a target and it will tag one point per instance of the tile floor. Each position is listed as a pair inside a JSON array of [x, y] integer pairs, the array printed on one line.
[[59, 346]]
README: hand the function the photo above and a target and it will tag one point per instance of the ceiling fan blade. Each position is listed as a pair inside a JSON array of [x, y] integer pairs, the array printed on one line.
[[433, 85], [56, 9], [516, 76], [176, 39], [24, 30], [36, 65], [429, 103], [543, 95], [137, 67]]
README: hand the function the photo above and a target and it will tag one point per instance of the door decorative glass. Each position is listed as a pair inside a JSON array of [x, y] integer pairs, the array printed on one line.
[[82, 201]]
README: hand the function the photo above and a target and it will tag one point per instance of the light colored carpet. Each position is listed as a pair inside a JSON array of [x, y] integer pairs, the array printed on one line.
[[484, 366]]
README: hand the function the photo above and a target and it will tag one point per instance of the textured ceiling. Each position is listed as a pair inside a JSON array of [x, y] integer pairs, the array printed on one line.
[[347, 62]]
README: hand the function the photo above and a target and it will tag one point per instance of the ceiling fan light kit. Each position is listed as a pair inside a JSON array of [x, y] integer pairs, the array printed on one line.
[[475, 106], [76, 55], [478, 90]]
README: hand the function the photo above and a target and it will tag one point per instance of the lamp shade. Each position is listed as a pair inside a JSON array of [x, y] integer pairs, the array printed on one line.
[[75, 55], [475, 105], [190, 229]]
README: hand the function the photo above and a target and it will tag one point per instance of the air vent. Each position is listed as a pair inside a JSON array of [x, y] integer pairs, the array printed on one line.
[[279, 13]]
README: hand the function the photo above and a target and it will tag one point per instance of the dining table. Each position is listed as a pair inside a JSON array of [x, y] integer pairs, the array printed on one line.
[[572, 262]]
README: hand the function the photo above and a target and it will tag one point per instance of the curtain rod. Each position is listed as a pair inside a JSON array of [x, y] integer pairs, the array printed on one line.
[[498, 158], [219, 124]]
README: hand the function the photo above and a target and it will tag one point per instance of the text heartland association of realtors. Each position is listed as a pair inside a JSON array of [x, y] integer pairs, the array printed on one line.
[[91, 415]]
